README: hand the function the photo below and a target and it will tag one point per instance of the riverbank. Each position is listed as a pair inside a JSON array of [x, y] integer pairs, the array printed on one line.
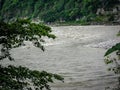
[[78, 23]]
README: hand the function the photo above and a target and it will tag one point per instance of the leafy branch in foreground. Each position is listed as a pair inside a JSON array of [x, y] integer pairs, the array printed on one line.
[[17, 78], [13, 35], [113, 49], [114, 62]]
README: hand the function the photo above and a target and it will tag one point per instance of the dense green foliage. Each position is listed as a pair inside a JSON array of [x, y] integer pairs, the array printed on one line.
[[53, 10], [13, 35]]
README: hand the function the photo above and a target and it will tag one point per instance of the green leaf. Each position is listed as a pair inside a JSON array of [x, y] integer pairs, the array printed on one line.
[[113, 49], [58, 77]]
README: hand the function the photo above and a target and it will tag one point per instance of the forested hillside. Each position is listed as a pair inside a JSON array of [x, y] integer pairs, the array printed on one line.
[[59, 10]]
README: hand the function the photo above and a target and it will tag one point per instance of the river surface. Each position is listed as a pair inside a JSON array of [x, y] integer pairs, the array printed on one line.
[[77, 54]]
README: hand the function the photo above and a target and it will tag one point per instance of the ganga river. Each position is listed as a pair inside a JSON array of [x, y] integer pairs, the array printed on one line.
[[77, 54]]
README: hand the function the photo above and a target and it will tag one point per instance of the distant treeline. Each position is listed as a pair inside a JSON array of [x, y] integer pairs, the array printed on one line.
[[53, 10]]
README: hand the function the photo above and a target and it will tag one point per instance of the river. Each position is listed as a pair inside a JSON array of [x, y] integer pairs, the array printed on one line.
[[77, 54]]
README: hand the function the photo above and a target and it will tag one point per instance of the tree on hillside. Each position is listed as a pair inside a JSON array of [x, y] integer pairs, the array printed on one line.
[[13, 35]]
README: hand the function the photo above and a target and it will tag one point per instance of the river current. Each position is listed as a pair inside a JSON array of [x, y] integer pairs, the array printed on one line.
[[77, 54]]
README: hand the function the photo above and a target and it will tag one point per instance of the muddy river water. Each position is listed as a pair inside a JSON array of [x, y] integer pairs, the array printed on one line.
[[77, 54]]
